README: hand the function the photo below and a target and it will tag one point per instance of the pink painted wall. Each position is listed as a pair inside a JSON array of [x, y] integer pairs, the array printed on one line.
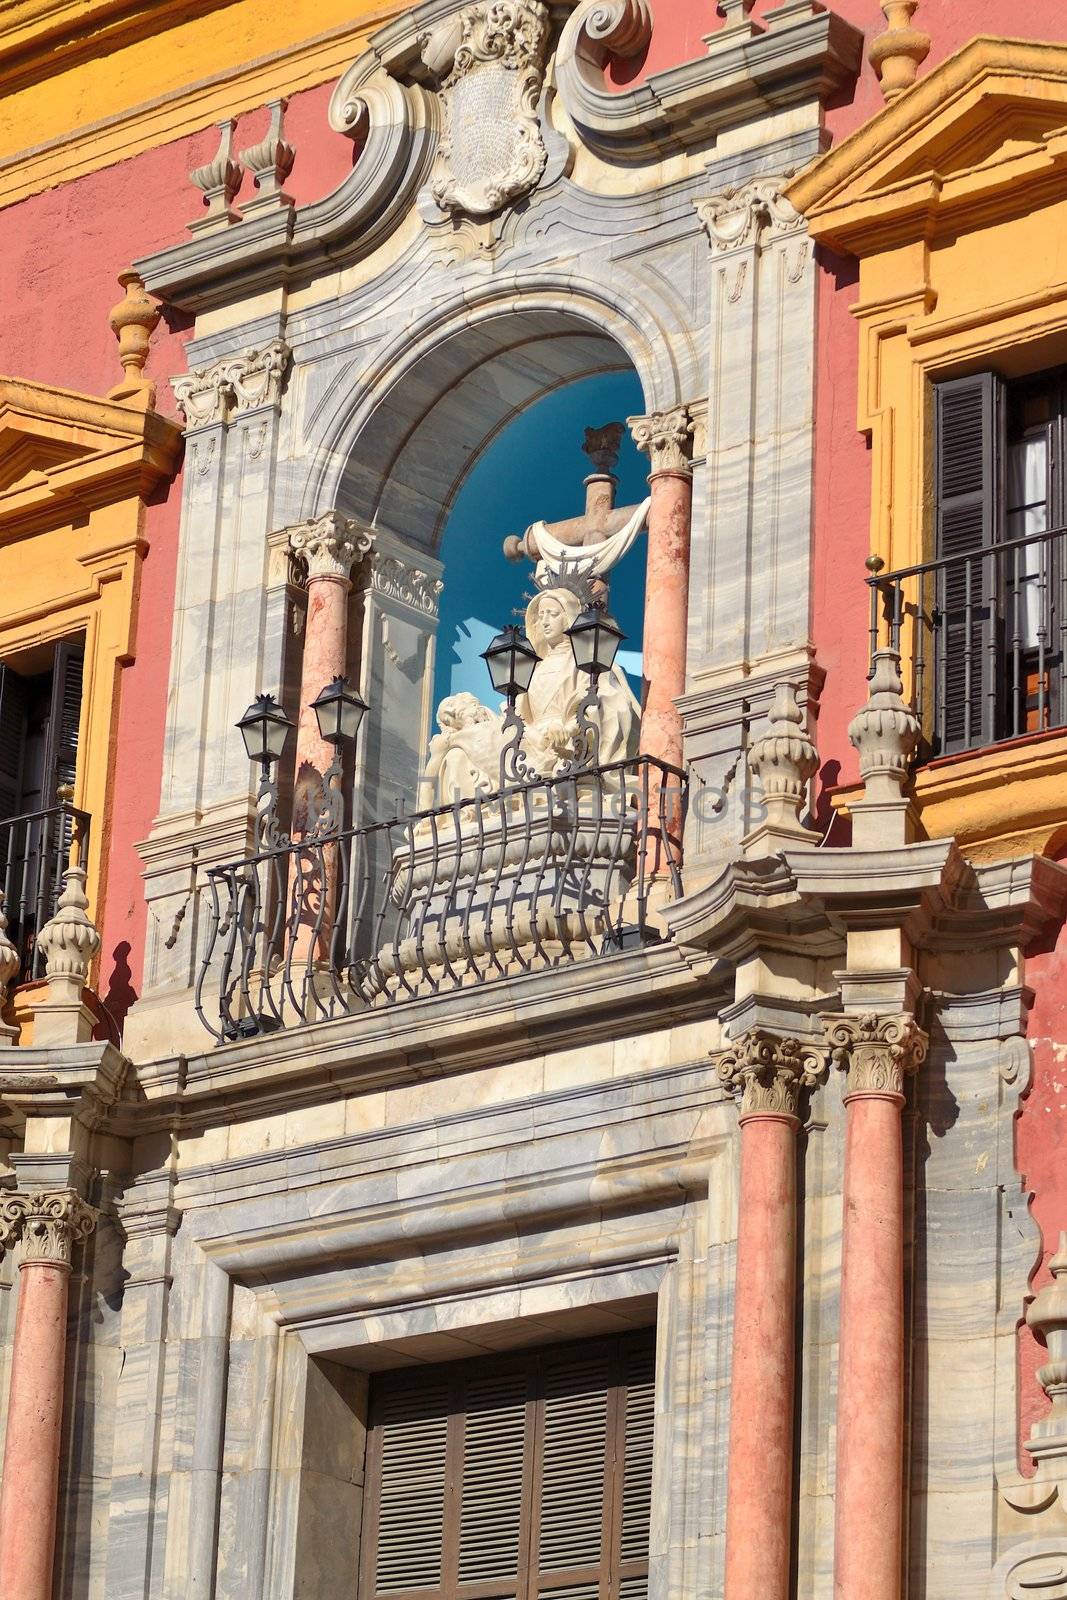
[[60, 254]]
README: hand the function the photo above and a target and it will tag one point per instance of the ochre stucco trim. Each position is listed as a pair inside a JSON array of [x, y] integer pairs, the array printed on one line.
[[133, 94], [958, 184], [76, 469]]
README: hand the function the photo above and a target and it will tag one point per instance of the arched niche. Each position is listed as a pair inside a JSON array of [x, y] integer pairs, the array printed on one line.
[[399, 459]]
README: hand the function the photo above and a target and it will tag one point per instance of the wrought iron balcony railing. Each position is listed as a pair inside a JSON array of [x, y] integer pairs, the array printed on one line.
[[538, 875], [35, 851], [985, 637]]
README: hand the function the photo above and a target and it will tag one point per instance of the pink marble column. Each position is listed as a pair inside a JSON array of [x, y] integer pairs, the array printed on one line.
[[665, 439], [51, 1224], [329, 545], [771, 1074], [869, 1500]]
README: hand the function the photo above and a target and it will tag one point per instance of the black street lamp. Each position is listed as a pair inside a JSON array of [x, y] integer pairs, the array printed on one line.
[[339, 710], [511, 660], [595, 639], [264, 729]]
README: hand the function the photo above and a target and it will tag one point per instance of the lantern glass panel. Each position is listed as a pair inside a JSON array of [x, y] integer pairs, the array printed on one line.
[[595, 639], [339, 711], [264, 729]]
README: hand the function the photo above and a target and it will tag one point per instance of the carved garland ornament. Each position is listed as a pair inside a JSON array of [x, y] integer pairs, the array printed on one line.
[[50, 1224], [769, 1073], [490, 61], [738, 218], [397, 581], [232, 386], [876, 1051]]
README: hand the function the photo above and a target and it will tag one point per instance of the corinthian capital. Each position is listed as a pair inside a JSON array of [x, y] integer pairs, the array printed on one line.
[[666, 437], [769, 1073], [49, 1223], [876, 1051], [330, 545]]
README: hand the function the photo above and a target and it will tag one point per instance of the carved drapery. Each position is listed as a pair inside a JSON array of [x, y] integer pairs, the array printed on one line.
[[666, 437], [330, 545], [769, 1073], [876, 1051], [739, 218], [49, 1224], [233, 385]]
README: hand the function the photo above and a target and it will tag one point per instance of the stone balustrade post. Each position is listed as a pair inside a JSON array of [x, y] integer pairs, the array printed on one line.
[[70, 943], [886, 734], [876, 1051], [770, 1074], [49, 1224]]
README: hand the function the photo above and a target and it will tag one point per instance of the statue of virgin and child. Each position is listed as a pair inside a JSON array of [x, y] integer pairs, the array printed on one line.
[[464, 757]]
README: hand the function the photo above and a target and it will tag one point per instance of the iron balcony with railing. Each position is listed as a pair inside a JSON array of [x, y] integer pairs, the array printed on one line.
[[35, 851], [983, 640], [538, 874]]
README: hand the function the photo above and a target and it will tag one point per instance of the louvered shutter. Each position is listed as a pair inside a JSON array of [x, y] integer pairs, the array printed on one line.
[[638, 1404], [493, 1480], [968, 436], [13, 710], [61, 751], [408, 1536], [574, 1488]]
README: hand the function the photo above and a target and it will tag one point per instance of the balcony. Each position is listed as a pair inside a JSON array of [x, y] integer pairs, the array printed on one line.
[[35, 850], [538, 874], [983, 640]]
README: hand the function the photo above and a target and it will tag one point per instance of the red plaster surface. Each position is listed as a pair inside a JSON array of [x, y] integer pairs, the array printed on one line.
[[60, 254]]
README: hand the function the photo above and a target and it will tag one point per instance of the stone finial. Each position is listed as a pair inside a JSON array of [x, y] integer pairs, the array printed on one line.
[[897, 54], [1047, 1316], [49, 1222], [133, 322], [737, 27], [784, 760], [876, 1051], [769, 1073], [886, 734], [330, 545], [220, 178], [69, 942], [666, 438], [270, 163]]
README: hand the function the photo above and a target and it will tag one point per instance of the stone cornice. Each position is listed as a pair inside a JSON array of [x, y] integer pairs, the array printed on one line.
[[501, 1021], [59, 448], [801, 55], [929, 158]]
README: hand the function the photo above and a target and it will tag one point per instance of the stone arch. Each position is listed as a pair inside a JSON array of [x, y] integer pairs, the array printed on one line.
[[396, 452]]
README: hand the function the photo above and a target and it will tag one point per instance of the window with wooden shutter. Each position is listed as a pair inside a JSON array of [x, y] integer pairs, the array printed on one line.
[[513, 1478], [14, 707], [968, 436]]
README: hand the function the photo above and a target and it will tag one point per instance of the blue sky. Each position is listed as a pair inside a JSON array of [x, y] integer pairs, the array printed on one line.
[[533, 471]]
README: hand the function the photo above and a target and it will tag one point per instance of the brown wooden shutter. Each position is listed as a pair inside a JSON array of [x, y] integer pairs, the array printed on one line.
[[61, 750], [13, 711], [526, 1477], [968, 435]]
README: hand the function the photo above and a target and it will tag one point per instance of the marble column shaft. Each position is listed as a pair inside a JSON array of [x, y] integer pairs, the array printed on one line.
[[50, 1224]]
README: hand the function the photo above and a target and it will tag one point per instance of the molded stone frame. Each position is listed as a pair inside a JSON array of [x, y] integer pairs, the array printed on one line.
[[74, 471], [304, 1264], [958, 184], [390, 313]]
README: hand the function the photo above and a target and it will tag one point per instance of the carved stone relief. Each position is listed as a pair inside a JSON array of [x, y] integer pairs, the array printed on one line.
[[232, 386], [490, 61]]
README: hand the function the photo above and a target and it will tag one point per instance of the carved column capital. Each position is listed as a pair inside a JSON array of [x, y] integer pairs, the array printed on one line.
[[49, 1224], [666, 437], [330, 545], [876, 1051], [769, 1073], [235, 384], [741, 218]]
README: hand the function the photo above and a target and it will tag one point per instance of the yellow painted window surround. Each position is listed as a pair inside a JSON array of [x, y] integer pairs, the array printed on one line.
[[954, 199]]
